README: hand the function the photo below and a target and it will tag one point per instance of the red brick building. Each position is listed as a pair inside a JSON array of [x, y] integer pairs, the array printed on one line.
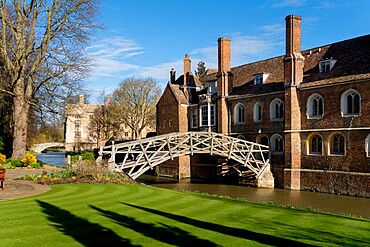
[[311, 107]]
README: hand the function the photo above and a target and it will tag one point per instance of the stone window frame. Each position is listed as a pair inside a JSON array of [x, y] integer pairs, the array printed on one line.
[[277, 110], [337, 144], [77, 134], [367, 145], [239, 113], [277, 144], [344, 104], [257, 113], [313, 139], [315, 112]]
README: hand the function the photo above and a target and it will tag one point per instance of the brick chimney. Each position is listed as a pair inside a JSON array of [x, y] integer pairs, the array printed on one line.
[[293, 76], [293, 60], [187, 68], [172, 75], [224, 78], [223, 54], [82, 99]]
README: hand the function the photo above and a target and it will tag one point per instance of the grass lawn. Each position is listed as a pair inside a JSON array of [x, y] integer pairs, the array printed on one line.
[[137, 215]]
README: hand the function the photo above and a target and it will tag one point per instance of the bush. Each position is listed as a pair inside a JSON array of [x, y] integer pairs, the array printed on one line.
[[2, 159], [88, 156], [29, 159], [14, 162]]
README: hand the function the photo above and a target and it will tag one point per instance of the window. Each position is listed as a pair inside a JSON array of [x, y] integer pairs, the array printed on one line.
[[326, 65], [77, 134], [260, 78], [194, 121], [213, 115], [239, 116], [350, 103], [91, 134], [77, 116], [257, 113], [277, 110], [367, 145], [204, 114], [212, 88], [315, 106], [315, 144], [208, 115], [277, 144], [337, 144]]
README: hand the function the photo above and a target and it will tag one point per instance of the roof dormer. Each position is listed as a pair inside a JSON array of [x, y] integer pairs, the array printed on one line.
[[260, 78], [326, 65]]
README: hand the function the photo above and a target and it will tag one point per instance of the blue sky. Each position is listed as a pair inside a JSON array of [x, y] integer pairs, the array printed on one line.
[[148, 38]]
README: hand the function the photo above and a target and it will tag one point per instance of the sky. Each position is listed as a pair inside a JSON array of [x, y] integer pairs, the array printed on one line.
[[146, 38]]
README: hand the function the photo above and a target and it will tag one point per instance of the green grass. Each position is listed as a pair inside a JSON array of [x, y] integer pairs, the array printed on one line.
[[134, 215]]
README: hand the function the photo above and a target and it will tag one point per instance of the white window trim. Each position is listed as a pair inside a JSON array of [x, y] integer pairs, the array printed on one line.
[[209, 120], [367, 145], [255, 113], [331, 63], [236, 113], [272, 110], [272, 144], [343, 103], [309, 106]]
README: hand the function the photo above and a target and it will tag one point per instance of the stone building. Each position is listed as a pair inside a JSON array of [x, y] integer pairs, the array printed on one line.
[[80, 133], [312, 108]]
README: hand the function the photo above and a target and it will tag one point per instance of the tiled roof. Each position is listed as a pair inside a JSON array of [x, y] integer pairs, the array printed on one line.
[[353, 62], [178, 93]]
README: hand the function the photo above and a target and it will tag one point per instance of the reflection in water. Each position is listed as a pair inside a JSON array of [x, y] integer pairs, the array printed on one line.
[[337, 204]]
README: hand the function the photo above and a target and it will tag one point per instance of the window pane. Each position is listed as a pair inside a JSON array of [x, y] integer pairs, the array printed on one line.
[[204, 112], [213, 115], [349, 104], [356, 104], [259, 113], [321, 107]]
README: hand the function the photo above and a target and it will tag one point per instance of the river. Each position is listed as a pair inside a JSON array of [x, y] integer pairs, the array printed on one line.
[[52, 158], [324, 202]]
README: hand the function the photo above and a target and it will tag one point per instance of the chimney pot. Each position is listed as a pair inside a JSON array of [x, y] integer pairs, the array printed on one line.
[[172, 75]]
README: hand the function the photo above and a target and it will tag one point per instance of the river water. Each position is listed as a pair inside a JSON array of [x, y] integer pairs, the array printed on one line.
[[337, 204], [52, 158]]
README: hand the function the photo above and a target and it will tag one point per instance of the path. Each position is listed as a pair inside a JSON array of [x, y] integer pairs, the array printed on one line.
[[21, 188]]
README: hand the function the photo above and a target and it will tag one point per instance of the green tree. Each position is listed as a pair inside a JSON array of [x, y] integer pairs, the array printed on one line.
[[201, 68], [43, 57], [134, 103]]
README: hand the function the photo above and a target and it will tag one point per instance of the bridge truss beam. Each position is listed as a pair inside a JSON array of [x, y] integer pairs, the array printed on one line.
[[142, 155]]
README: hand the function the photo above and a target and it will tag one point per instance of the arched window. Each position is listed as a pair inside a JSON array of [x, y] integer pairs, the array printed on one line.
[[367, 145], [277, 144], [315, 144], [337, 144], [257, 113], [315, 106], [350, 103], [241, 137], [277, 110], [239, 113]]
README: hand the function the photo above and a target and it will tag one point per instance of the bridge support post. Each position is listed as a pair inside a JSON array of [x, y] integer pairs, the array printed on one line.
[[266, 179]]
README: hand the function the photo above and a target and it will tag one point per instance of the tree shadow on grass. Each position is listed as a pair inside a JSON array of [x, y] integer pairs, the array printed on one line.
[[164, 233], [231, 231], [83, 231]]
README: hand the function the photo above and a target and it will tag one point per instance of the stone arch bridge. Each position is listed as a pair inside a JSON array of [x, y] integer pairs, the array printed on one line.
[[38, 148], [142, 155]]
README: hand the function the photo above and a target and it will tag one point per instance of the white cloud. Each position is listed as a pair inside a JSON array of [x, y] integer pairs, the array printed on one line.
[[287, 3]]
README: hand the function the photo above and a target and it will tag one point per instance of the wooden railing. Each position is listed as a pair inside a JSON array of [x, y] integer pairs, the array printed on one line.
[[141, 155]]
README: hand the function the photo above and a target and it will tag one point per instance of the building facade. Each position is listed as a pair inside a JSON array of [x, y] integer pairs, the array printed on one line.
[[85, 128], [311, 107]]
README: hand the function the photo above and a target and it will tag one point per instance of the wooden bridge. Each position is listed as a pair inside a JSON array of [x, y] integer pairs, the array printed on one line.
[[142, 155]]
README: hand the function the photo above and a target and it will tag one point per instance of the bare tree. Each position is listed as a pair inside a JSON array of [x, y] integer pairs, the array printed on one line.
[[103, 123], [42, 53], [134, 102]]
